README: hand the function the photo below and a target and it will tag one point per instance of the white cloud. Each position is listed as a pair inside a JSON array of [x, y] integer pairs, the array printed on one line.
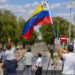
[[27, 6], [31, 5], [66, 3], [3, 1], [66, 16], [27, 10], [54, 6], [31, 11], [21, 10], [1, 7], [13, 8], [35, 4], [69, 4], [73, 3]]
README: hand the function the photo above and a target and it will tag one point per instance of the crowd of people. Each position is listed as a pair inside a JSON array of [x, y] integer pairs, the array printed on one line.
[[9, 63]]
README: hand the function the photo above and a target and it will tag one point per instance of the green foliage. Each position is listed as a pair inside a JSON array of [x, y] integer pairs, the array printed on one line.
[[11, 27], [47, 30], [34, 38]]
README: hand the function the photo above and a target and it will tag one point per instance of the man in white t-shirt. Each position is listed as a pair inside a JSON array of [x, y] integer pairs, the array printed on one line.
[[69, 59]]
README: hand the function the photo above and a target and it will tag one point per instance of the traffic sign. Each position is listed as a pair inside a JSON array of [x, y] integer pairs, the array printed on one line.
[[63, 38]]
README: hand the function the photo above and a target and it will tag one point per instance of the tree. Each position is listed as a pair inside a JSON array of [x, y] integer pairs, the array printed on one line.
[[11, 27], [47, 30], [21, 23]]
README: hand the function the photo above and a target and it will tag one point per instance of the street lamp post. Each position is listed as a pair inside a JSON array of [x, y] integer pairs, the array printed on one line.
[[58, 30], [70, 25], [74, 25], [74, 32]]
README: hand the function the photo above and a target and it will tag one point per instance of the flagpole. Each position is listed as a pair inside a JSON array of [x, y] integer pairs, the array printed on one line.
[[52, 22]]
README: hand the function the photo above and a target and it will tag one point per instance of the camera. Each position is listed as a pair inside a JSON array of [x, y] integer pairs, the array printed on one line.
[[51, 51]]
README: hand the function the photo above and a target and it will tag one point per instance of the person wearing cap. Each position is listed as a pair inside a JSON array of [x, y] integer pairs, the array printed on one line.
[[28, 60], [2, 54], [69, 60]]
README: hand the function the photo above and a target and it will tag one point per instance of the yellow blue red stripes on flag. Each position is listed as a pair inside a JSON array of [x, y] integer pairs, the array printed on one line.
[[38, 17], [39, 8]]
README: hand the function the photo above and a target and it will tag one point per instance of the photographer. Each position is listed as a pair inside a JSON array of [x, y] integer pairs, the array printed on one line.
[[69, 60]]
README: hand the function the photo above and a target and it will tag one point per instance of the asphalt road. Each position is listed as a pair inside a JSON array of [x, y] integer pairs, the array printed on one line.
[[43, 73]]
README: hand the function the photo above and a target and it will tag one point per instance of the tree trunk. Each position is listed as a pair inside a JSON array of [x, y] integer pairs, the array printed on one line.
[[23, 44], [16, 44]]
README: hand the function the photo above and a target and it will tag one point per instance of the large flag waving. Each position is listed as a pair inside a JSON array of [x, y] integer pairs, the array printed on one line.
[[40, 16]]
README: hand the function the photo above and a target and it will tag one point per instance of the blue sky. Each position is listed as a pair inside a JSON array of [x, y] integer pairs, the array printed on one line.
[[31, 1], [24, 8]]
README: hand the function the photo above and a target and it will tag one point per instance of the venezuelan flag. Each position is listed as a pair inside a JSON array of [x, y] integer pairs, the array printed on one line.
[[38, 17]]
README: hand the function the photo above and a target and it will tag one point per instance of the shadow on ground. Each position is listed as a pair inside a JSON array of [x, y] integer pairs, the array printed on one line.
[[57, 72]]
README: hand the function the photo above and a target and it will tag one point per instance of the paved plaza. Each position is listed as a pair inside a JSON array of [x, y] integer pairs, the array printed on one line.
[[57, 72]]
